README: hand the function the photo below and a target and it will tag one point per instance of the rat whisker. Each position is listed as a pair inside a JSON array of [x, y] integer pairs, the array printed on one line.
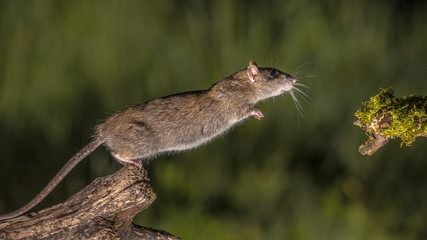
[[302, 94], [298, 75], [295, 74], [298, 106], [307, 76], [299, 95], [297, 68], [302, 85]]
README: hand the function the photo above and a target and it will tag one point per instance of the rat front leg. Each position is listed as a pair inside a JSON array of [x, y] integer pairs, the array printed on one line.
[[256, 113]]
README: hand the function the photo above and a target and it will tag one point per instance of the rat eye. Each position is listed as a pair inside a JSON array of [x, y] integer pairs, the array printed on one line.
[[272, 75]]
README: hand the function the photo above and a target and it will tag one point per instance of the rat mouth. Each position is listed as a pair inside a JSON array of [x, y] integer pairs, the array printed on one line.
[[288, 85]]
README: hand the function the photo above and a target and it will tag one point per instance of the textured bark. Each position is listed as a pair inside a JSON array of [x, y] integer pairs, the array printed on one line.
[[103, 210]]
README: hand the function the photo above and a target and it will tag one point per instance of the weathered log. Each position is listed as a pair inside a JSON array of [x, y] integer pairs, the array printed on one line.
[[103, 210]]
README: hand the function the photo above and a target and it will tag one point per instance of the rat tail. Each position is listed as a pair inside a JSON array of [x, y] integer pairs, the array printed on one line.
[[55, 180]]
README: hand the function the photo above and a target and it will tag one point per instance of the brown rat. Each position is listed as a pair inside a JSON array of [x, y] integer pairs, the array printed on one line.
[[178, 122]]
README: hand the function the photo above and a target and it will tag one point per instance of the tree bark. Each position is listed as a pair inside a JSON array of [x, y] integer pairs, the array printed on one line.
[[103, 210]]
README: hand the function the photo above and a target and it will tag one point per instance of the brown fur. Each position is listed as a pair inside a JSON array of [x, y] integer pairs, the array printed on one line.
[[178, 122]]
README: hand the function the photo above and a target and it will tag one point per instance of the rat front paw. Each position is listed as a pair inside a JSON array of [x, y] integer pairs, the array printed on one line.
[[256, 113]]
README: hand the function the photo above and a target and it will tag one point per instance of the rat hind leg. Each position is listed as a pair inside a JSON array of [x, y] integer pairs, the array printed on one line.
[[125, 161]]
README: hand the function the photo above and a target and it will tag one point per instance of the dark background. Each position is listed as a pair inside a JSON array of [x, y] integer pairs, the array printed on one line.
[[66, 65]]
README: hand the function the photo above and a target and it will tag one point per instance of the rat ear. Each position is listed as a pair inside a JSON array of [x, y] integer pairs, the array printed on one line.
[[252, 71]]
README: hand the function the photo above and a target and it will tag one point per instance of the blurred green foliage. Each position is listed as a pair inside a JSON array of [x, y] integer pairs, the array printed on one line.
[[65, 65]]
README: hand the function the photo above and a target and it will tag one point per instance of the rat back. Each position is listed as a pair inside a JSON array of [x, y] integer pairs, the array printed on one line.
[[172, 123]]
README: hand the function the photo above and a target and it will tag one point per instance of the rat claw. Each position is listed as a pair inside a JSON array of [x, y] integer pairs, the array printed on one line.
[[137, 163], [256, 113]]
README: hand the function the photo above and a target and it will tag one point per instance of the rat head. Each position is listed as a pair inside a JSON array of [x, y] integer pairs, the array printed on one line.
[[268, 82]]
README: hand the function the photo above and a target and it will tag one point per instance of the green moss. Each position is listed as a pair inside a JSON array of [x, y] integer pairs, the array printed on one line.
[[405, 118]]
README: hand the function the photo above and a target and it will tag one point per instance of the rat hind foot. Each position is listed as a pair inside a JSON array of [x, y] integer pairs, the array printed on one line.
[[126, 161]]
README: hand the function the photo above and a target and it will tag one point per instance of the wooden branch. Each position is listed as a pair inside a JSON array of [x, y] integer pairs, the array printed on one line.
[[103, 210]]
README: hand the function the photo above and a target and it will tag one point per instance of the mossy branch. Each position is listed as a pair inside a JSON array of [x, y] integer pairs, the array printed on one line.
[[386, 117]]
